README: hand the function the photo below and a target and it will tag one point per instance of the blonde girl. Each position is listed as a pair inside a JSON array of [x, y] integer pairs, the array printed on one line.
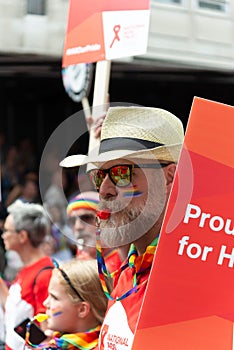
[[75, 306]]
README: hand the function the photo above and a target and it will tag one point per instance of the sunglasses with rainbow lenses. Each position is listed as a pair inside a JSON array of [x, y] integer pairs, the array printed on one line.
[[120, 175]]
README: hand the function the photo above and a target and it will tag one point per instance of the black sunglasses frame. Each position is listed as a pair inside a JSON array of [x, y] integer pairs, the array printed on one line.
[[130, 166]]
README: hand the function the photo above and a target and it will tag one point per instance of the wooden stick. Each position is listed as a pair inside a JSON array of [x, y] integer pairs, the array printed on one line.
[[100, 99], [87, 111]]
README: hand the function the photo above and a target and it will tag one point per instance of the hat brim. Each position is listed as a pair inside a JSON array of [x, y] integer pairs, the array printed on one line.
[[162, 153]]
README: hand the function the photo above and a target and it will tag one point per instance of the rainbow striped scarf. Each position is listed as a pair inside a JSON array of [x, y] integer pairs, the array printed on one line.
[[83, 341], [138, 264]]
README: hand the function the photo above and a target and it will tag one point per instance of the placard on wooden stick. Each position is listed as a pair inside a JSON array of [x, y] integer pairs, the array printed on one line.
[[105, 29], [189, 300], [100, 98], [101, 30]]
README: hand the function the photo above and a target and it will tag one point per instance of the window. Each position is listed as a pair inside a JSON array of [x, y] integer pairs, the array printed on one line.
[[36, 7], [170, 2], [214, 5]]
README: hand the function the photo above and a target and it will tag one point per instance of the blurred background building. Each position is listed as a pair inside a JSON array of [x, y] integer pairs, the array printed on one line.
[[190, 53]]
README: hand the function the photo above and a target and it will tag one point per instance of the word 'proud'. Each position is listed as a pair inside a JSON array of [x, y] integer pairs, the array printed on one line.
[[216, 223]]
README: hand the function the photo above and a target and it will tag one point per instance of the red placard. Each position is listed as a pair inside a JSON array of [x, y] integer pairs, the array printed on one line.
[[105, 29], [189, 301]]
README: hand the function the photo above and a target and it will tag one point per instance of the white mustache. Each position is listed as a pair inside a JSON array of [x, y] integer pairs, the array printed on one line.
[[114, 206]]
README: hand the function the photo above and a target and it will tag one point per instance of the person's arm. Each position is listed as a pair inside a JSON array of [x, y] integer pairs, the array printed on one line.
[[3, 292], [13, 194]]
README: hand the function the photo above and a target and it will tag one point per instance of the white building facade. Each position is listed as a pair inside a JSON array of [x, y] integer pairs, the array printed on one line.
[[186, 32]]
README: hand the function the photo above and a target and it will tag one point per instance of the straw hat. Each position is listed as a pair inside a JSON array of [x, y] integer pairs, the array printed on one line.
[[135, 133]]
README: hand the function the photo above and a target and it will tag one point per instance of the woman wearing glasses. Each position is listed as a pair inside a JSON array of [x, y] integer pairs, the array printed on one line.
[[25, 229], [75, 306]]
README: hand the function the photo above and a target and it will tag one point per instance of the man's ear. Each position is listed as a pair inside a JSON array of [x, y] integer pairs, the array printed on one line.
[[83, 309], [170, 173]]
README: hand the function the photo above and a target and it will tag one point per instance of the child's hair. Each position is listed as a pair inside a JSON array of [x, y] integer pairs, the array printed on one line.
[[84, 277]]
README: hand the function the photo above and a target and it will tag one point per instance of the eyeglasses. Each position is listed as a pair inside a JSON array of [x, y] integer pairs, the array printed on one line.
[[120, 175], [9, 230], [67, 279], [85, 218]]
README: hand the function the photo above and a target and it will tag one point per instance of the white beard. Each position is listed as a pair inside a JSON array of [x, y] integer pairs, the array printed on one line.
[[128, 223]]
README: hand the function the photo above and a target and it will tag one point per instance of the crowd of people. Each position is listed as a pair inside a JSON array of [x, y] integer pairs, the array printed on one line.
[[20, 181], [90, 293]]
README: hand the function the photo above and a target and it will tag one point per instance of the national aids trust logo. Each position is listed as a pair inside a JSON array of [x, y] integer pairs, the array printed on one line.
[[112, 341], [104, 332]]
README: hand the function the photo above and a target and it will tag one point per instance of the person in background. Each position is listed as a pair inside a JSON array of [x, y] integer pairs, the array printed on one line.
[[25, 228], [81, 212], [75, 306], [26, 190], [10, 177], [3, 146], [64, 246], [27, 154], [55, 203], [136, 164], [55, 191], [2, 328]]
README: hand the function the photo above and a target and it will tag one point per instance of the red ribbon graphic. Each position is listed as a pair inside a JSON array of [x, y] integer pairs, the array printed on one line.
[[116, 30]]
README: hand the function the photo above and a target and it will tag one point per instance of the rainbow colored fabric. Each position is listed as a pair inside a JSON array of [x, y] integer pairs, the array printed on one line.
[[137, 263], [84, 341], [80, 202]]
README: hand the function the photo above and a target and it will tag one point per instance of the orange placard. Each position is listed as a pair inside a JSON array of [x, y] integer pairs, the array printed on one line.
[[189, 301], [105, 29]]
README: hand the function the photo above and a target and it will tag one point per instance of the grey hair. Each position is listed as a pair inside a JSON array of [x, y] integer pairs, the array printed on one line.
[[32, 218]]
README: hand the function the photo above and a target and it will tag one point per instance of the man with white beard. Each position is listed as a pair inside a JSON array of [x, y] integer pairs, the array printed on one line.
[[136, 164]]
